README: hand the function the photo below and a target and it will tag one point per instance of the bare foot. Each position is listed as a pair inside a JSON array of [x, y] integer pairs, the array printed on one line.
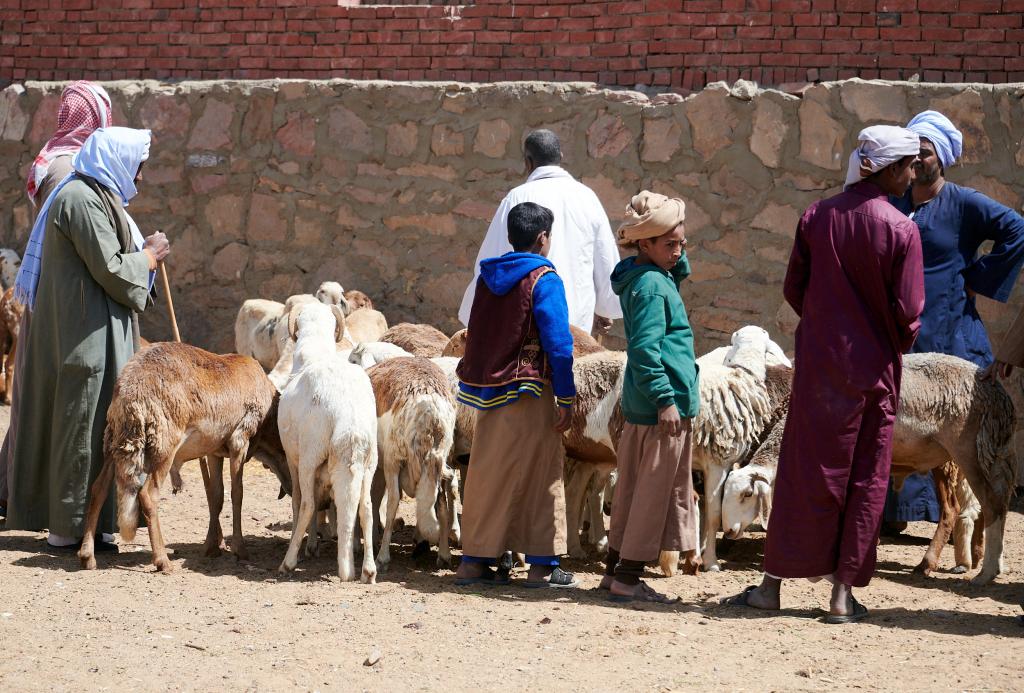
[[641, 592]]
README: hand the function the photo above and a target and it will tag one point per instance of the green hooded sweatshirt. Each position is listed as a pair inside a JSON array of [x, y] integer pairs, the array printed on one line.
[[661, 368]]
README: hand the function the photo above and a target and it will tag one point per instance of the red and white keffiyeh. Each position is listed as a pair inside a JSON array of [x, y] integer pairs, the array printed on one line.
[[84, 107]]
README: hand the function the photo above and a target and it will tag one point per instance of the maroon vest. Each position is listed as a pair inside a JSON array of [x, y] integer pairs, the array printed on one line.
[[503, 343]]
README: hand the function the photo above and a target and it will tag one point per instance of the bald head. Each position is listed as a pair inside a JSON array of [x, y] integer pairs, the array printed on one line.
[[542, 148]]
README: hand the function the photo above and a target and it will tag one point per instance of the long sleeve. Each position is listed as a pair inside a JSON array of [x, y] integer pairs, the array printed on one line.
[[495, 243], [908, 288], [994, 275], [798, 273], [552, 315], [643, 352], [606, 256], [123, 276]]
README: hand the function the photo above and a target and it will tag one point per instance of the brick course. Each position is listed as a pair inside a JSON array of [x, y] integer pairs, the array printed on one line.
[[671, 44]]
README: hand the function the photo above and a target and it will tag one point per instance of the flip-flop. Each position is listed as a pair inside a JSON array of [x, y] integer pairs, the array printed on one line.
[[489, 577], [647, 594], [859, 611], [738, 599], [558, 579]]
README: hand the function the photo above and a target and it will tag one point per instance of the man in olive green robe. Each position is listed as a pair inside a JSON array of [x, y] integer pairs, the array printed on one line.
[[86, 273]]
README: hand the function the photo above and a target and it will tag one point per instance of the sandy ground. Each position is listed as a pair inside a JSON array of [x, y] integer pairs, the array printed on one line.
[[215, 623]]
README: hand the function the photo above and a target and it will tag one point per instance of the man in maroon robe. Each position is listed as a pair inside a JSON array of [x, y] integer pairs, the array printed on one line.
[[856, 280]]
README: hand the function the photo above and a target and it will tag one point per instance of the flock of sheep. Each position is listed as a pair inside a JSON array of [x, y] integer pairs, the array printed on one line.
[[350, 414]]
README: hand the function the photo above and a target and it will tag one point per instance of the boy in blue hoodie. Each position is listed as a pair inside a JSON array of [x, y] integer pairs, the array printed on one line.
[[653, 509], [517, 372]]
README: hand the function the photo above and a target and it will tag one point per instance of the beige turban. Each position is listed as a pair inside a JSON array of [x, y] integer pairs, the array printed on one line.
[[650, 215]]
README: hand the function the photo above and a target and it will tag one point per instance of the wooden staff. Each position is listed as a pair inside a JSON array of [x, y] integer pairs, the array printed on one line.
[[170, 302]]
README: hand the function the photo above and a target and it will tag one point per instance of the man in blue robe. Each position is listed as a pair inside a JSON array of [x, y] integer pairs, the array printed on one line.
[[954, 221]]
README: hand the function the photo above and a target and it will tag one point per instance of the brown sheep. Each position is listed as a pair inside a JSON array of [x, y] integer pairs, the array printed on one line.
[[173, 403], [365, 325], [10, 323], [357, 299], [416, 338]]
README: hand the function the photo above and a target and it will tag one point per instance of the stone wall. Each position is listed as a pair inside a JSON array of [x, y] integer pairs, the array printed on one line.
[[667, 45], [268, 188]]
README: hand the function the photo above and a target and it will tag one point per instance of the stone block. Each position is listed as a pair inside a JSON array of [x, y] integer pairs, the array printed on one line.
[[443, 224], [347, 218], [776, 218], [875, 102], [966, 109], [45, 120], [712, 121], [661, 139], [298, 135], [607, 136], [213, 129], [704, 271], [224, 214], [13, 118], [446, 142], [346, 130], [492, 138], [822, 138], [476, 209], [230, 262], [167, 115], [258, 124], [402, 138], [208, 182], [266, 224], [768, 132]]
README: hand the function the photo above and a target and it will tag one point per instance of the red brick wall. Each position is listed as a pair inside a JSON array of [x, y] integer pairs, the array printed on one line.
[[681, 44]]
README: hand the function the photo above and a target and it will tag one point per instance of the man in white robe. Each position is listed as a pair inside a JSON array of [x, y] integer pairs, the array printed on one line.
[[583, 248]]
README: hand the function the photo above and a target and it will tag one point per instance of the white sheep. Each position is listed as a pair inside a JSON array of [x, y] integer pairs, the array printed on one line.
[[173, 403], [10, 262], [366, 354], [329, 433], [332, 294], [945, 412], [416, 425], [256, 332]]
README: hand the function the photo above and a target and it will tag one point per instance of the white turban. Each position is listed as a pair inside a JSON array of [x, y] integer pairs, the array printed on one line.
[[880, 145]]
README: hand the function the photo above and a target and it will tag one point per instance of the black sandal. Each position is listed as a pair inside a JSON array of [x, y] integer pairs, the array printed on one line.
[[859, 611], [488, 577]]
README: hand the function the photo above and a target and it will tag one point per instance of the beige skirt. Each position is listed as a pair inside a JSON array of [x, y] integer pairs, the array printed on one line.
[[653, 510], [515, 499]]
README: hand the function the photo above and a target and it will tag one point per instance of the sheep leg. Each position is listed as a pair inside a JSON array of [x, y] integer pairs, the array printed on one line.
[[9, 371], [944, 491], [377, 488], [304, 511], [962, 537], [714, 479], [445, 511], [992, 564], [451, 489], [598, 533], [148, 501], [313, 534], [577, 480], [394, 494], [214, 476], [366, 520], [978, 541], [97, 496], [346, 487], [237, 543]]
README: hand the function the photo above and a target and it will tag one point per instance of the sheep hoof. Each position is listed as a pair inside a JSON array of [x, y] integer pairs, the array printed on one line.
[[924, 568], [241, 553], [212, 550], [312, 549], [443, 562], [959, 570], [982, 579], [422, 548], [284, 568], [602, 546], [368, 577], [88, 562], [712, 567], [163, 564], [383, 564]]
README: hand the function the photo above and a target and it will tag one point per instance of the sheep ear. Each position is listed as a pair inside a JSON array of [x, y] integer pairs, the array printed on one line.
[[293, 322], [339, 326], [764, 506], [346, 307]]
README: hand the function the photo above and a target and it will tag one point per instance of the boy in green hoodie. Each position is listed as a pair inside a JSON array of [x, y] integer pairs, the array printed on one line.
[[653, 508]]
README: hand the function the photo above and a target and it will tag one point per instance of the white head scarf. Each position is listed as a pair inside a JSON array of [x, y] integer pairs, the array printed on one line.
[[112, 157], [879, 146]]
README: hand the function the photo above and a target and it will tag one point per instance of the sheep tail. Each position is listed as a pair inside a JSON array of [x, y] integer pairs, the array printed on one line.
[[993, 445], [125, 441]]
